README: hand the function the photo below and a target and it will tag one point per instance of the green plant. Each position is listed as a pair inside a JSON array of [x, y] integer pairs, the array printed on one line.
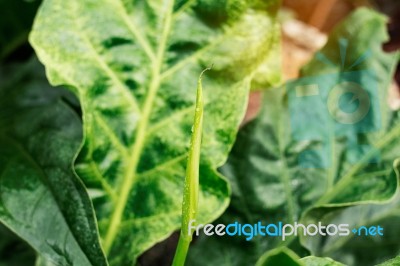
[[95, 174], [134, 87]]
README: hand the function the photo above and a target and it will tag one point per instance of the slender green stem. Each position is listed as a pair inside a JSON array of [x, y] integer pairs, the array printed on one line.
[[181, 251], [191, 190]]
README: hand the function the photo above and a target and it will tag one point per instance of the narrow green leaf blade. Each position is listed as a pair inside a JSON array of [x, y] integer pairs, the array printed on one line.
[[191, 190]]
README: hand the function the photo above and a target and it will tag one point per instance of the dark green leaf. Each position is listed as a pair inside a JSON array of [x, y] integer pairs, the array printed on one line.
[[41, 199], [134, 66], [362, 182], [15, 24], [392, 262], [354, 249], [13, 250], [365, 61]]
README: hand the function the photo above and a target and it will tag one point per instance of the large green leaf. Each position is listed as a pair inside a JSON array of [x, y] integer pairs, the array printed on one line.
[[41, 199], [270, 184], [134, 66]]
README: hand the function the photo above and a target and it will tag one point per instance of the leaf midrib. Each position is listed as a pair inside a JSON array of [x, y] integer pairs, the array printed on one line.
[[140, 136]]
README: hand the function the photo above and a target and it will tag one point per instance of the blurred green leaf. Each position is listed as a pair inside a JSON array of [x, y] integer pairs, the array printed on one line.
[[392, 262], [16, 22], [353, 249], [315, 261], [356, 187], [286, 257], [134, 66], [268, 182], [279, 256], [41, 199]]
